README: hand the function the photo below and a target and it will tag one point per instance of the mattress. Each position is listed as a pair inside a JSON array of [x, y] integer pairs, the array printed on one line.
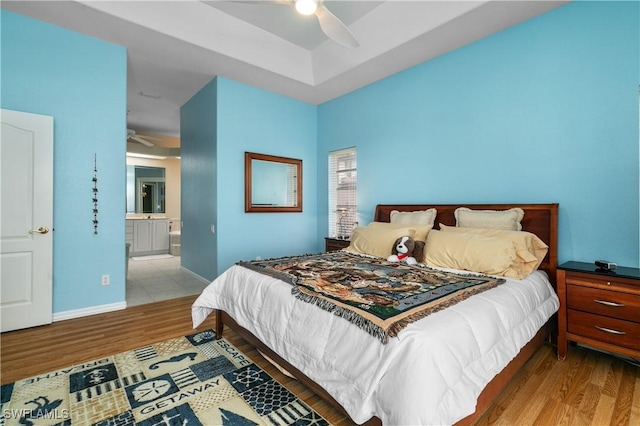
[[431, 373]]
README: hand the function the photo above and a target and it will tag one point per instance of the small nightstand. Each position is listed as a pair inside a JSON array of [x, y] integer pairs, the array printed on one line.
[[333, 244], [599, 308]]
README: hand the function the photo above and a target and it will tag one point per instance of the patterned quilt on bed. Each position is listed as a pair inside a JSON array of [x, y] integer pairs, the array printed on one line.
[[378, 296]]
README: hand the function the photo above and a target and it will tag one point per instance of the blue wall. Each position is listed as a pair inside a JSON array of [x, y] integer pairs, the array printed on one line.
[[81, 82], [254, 120], [199, 177], [546, 111]]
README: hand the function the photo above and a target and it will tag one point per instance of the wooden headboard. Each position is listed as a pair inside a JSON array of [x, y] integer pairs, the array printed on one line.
[[539, 219]]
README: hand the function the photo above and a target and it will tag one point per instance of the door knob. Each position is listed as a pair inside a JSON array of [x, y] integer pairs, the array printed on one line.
[[41, 230]]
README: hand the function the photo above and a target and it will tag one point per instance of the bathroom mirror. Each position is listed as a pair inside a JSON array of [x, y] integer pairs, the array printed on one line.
[[145, 189], [272, 184]]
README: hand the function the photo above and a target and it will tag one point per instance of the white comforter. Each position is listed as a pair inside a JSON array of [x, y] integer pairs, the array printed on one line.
[[432, 373]]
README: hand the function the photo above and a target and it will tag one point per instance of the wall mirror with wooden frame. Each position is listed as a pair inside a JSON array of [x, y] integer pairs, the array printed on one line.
[[272, 184]]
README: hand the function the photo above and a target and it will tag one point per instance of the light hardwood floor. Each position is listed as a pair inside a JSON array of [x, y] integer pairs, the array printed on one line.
[[589, 388]]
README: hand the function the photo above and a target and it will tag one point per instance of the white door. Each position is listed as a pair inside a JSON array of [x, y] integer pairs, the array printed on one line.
[[26, 206]]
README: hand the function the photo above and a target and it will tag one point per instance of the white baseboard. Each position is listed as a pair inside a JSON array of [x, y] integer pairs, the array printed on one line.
[[85, 312], [194, 275]]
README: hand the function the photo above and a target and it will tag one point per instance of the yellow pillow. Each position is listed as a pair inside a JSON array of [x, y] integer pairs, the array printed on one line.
[[376, 241], [490, 219], [530, 249], [420, 217], [470, 252], [421, 230]]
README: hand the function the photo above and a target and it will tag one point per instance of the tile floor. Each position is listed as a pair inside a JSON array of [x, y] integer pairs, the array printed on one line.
[[159, 279]]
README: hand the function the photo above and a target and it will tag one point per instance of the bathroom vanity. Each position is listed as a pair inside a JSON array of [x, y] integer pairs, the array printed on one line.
[[147, 236]]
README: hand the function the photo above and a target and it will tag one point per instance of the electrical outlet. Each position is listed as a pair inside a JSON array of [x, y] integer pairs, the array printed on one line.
[[106, 280]]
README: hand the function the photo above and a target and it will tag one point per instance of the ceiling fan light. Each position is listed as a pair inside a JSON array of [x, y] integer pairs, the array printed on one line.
[[147, 156], [306, 7]]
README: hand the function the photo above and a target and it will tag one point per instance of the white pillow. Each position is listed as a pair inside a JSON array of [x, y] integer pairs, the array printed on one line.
[[422, 217], [490, 219]]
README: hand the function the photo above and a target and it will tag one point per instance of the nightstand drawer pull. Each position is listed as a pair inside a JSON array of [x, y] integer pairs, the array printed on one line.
[[610, 330], [606, 303]]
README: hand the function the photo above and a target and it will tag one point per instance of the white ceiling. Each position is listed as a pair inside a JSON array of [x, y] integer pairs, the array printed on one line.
[[176, 47]]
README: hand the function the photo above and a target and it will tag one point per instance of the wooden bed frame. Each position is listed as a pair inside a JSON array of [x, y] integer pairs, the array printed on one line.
[[539, 219]]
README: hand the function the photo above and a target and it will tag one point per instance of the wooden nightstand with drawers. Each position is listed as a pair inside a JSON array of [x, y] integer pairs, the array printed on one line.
[[598, 308], [334, 244]]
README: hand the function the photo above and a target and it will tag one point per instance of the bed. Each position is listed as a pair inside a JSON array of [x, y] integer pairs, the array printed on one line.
[[408, 379]]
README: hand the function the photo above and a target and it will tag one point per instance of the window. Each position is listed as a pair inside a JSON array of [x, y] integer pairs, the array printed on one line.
[[342, 192]]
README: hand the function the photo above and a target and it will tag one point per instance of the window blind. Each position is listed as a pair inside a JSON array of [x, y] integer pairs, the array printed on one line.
[[342, 192]]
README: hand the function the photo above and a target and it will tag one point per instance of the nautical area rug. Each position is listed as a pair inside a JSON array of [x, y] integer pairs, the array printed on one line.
[[378, 296], [191, 380]]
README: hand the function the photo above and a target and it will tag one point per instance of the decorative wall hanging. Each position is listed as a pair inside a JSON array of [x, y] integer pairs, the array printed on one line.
[[95, 193]]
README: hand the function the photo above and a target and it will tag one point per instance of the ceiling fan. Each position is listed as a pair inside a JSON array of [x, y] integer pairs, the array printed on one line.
[[333, 27], [133, 137]]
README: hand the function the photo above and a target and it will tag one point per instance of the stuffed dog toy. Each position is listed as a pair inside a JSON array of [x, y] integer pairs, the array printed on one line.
[[406, 249]]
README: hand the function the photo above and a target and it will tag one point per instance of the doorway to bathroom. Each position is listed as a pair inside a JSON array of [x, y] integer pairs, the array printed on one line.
[[153, 203]]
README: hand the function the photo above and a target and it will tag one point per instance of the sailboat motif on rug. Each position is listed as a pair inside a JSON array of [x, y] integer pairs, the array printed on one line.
[[191, 380]]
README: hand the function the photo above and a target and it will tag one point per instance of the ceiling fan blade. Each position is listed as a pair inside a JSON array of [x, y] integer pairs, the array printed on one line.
[[141, 140], [334, 28]]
